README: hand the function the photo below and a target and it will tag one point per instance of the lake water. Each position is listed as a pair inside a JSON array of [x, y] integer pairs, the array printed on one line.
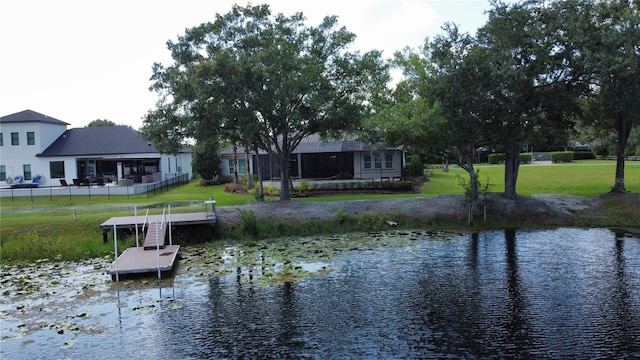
[[561, 293]]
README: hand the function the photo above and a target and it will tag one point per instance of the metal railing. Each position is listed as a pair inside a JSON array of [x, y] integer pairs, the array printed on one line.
[[150, 189]]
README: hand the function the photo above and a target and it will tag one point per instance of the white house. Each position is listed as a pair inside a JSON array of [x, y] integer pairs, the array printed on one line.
[[34, 146]]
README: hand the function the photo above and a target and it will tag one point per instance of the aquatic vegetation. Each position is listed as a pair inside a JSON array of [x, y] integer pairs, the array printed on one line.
[[54, 295]]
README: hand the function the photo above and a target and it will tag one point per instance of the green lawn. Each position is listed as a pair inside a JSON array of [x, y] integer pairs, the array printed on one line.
[[584, 178]]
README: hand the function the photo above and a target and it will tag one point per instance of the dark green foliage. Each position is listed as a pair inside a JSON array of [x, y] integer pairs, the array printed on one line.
[[415, 167], [206, 160], [258, 79], [525, 158], [562, 156], [100, 123], [248, 224], [496, 158], [583, 155], [364, 185]]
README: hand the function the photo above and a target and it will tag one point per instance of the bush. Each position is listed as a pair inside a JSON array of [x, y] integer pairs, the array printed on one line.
[[496, 158], [415, 167], [235, 188], [583, 155], [268, 191], [304, 186], [364, 185], [525, 158], [249, 224], [562, 156]]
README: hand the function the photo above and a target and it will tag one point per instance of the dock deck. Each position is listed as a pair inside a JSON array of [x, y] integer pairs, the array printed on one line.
[[180, 219], [125, 222], [155, 256], [137, 260]]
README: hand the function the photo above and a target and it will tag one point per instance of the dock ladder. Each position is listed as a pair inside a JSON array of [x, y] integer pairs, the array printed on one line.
[[156, 233]]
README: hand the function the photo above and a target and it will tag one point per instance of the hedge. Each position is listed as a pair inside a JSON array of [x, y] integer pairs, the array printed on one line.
[[525, 158], [562, 156], [496, 158], [583, 155], [357, 185]]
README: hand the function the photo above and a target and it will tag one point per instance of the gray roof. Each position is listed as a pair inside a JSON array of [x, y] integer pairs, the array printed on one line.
[[28, 116], [99, 140], [314, 144]]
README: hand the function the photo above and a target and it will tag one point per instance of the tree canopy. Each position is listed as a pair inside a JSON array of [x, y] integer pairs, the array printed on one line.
[[537, 70], [262, 80], [100, 122]]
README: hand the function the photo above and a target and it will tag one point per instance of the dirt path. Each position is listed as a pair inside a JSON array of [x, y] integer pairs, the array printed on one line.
[[552, 207]]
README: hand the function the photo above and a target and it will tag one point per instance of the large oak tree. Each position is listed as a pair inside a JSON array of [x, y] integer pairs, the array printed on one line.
[[264, 81], [608, 35]]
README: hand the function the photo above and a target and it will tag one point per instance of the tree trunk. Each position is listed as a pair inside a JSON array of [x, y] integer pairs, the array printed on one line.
[[248, 166], [473, 192], [511, 167], [259, 172], [623, 130], [284, 178], [235, 164]]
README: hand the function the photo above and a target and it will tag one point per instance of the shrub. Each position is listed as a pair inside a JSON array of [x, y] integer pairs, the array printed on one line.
[[562, 156], [235, 188], [249, 224], [363, 185], [496, 158], [268, 191], [415, 167], [583, 155], [525, 158], [303, 186]]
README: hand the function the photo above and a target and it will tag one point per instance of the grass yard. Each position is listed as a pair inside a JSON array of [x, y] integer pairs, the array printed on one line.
[[583, 178]]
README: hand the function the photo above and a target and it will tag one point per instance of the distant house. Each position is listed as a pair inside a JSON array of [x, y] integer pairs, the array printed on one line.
[[33, 144], [315, 159]]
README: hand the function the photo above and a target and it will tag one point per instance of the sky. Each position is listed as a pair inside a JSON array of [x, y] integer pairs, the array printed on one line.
[[78, 61]]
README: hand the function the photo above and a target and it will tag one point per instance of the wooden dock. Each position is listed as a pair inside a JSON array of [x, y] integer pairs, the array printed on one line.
[[154, 256], [137, 260], [129, 222]]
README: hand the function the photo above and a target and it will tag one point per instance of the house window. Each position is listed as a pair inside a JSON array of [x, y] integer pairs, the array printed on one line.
[[367, 161], [56, 170], [14, 139], [388, 161], [242, 167], [3, 173], [1, 140], [26, 171], [376, 162], [31, 138]]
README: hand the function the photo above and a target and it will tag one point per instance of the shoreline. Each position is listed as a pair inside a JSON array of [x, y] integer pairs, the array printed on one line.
[[540, 209]]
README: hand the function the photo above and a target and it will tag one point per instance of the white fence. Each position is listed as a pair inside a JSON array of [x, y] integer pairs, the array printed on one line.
[[108, 190]]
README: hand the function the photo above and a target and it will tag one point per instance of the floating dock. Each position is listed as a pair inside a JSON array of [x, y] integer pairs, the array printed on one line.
[[154, 256], [137, 260]]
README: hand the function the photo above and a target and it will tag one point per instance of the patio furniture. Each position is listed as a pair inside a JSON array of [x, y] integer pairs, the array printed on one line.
[[63, 182], [125, 182]]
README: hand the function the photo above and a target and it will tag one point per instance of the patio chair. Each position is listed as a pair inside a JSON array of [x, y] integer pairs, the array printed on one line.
[[63, 182], [76, 182]]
